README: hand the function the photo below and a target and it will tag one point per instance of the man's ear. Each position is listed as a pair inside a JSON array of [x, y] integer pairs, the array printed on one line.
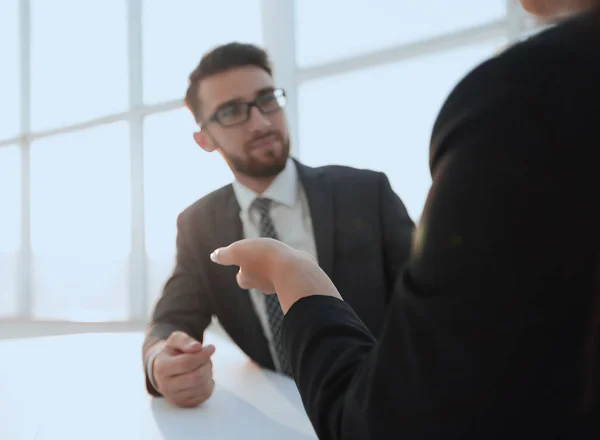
[[202, 140]]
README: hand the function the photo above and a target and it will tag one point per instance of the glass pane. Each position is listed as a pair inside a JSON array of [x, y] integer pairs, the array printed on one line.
[[332, 30], [10, 228], [176, 34], [10, 104], [78, 61], [393, 108], [81, 224], [177, 172]]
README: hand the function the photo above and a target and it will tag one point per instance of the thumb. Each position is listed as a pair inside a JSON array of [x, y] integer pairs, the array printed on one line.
[[181, 342]]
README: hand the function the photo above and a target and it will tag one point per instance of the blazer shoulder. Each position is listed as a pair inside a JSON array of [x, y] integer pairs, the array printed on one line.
[[344, 172], [205, 205], [530, 73]]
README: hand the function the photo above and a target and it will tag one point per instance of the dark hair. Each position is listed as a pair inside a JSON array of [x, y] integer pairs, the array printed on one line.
[[221, 59]]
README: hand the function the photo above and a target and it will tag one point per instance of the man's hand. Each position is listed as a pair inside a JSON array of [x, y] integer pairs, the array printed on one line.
[[272, 266], [183, 370]]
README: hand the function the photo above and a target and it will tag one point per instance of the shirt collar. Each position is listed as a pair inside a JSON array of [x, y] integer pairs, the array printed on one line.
[[283, 189]]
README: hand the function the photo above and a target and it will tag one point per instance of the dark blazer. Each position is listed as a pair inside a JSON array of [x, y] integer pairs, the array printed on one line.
[[492, 332], [362, 235]]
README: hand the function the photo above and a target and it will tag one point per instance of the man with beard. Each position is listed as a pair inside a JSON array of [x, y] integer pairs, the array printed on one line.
[[348, 220]]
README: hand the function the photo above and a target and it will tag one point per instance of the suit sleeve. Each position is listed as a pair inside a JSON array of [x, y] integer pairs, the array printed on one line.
[[184, 304], [466, 326], [397, 229]]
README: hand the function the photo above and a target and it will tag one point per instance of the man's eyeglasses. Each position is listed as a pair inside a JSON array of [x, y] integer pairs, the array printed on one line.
[[238, 112]]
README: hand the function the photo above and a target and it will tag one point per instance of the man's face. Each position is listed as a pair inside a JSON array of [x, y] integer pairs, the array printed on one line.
[[257, 147]]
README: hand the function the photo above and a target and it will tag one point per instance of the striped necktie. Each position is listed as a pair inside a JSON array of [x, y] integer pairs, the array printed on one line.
[[274, 313]]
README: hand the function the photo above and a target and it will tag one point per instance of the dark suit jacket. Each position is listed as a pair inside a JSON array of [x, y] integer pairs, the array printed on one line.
[[362, 233], [492, 332]]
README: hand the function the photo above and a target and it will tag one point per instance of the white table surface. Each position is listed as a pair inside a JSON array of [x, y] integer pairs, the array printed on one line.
[[91, 387]]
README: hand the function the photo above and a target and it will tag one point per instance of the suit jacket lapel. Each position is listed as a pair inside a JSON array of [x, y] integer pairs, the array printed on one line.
[[229, 229], [320, 201], [227, 220]]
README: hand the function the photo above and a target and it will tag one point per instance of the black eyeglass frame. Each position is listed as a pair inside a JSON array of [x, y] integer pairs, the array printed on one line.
[[278, 94]]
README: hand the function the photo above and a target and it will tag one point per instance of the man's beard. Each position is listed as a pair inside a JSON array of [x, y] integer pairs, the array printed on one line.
[[256, 168]]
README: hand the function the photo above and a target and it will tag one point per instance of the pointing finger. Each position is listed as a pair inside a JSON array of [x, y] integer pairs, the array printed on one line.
[[246, 253]]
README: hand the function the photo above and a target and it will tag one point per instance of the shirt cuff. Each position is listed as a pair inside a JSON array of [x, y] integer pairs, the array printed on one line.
[[150, 365]]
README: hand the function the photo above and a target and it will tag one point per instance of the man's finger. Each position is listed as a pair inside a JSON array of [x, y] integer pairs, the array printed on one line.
[[182, 342], [193, 396], [199, 377], [188, 362]]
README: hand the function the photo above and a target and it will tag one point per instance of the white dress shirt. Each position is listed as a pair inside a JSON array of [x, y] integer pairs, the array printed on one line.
[[291, 217]]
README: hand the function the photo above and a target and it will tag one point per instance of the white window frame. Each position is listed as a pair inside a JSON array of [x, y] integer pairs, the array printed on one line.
[[279, 40]]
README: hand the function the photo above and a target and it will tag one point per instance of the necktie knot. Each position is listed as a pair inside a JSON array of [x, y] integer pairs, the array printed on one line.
[[262, 205]]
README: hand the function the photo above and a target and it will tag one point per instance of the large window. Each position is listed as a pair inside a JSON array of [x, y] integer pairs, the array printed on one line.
[[10, 104], [81, 224], [381, 117], [78, 61], [10, 228], [97, 157], [330, 30], [93, 123]]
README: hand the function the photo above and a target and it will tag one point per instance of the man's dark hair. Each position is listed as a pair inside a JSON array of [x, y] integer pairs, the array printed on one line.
[[219, 60]]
